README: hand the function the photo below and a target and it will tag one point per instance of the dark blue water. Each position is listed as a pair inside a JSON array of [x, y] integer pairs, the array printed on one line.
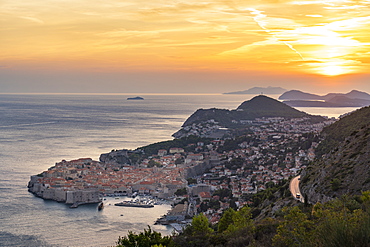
[[38, 130]]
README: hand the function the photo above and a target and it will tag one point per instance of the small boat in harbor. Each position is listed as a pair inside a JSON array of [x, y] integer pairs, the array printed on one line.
[[134, 204], [100, 206]]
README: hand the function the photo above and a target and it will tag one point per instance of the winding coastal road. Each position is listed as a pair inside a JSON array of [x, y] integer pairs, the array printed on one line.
[[294, 188]]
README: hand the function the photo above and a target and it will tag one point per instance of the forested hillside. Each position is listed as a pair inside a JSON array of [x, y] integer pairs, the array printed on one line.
[[343, 166], [341, 222]]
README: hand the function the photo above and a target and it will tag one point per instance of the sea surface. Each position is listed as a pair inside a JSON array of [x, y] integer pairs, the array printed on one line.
[[38, 130]]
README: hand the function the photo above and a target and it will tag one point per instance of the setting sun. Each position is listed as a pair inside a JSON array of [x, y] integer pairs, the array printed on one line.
[[332, 70], [318, 38]]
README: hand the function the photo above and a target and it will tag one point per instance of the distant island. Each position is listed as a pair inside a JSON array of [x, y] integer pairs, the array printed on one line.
[[261, 90], [136, 98], [296, 98]]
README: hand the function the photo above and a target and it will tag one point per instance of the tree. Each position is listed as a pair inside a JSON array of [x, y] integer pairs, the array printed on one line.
[[179, 160], [197, 234], [153, 163], [200, 225], [192, 181], [241, 219], [222, 193], [295, 230], [226, 220], [181, 192], [148, 238]]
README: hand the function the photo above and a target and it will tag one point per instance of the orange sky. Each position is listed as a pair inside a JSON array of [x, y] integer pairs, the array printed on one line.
[[149, 46]]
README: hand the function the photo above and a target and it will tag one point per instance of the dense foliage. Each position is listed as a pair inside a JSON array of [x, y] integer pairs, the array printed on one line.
[[343, 222], [152, 149], [148, 238]]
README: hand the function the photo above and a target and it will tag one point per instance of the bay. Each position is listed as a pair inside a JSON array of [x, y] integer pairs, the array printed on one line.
[[38, 130]]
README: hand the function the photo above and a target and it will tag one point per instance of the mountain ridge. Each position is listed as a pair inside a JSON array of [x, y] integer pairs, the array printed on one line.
[[355, 98], [259, 90], [299, 95]]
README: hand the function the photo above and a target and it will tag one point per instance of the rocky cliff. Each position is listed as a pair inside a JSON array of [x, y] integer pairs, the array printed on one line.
[[344, 166], [119, 157]]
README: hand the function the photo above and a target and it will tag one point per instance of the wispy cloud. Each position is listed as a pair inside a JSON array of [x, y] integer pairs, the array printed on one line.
[[32, 19], [217, 33], [258, 17]]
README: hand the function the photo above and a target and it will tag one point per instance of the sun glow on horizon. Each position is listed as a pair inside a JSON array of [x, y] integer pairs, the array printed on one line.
[[333, 70]]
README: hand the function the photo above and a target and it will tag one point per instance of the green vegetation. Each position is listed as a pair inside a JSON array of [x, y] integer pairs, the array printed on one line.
[[192, 181], [235, 163], [153, 163], [335, 184], [181, 192], [152, 149], [222, 116], [342, 162], [148, 238], [232, 144], [341, 222], [281, 190], [205, 205], [223, 193], [347, 126]]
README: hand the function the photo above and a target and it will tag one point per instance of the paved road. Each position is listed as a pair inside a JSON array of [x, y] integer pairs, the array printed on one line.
[[294, 188]]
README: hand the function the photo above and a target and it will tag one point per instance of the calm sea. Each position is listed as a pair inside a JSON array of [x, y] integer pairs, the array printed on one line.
[[36, 131]]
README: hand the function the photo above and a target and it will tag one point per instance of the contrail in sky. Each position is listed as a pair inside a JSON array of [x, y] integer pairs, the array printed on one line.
[[258, 15]]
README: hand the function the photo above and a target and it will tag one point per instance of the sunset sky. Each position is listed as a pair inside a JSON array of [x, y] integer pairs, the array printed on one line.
[[157, 46]]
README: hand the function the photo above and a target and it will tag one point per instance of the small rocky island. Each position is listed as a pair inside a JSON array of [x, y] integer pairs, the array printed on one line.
[[135, 98]]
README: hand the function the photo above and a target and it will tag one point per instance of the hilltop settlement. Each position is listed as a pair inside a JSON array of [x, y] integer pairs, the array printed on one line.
[[218, 159]]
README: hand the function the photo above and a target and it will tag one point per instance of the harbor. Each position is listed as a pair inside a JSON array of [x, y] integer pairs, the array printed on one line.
[[174, 218]]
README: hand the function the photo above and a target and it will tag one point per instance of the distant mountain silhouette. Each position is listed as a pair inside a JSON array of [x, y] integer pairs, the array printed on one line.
[[261, 90], [299, 95], [354, 94], [298, 98]]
